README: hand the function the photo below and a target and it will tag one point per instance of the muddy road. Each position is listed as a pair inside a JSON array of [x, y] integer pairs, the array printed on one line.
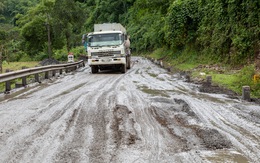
[[143, 116]]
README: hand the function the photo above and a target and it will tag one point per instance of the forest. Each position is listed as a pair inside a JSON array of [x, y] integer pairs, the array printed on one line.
[[226, 31]]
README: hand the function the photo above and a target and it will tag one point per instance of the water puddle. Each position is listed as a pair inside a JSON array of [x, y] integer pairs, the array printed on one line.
[[70, 90], [153, 92], [221, 156]]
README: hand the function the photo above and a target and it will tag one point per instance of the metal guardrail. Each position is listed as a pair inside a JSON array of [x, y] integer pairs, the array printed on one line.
[[23, 74]]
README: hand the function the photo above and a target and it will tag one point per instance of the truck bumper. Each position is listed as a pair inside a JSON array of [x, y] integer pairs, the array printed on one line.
[[107, 61]]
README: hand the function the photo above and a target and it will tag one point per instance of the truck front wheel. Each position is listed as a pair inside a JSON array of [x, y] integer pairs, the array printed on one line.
[[128, 62], [123, 68], [94, 69]]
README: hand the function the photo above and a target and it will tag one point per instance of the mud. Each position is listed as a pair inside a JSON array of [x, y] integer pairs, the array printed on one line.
[[209, 88], [212, 139], [49, 61], [123, 126], [146, 115], [208, 137], [206, 87]]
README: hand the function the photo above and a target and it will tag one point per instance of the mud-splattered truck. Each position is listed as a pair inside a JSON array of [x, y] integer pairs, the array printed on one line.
[[108, 47]]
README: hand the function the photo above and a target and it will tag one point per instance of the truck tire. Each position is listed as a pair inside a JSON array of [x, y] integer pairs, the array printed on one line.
[[123, 68], [128, 62], [94, 69]]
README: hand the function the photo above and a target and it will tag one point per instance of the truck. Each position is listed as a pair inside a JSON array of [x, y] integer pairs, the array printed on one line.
[[108, 47]]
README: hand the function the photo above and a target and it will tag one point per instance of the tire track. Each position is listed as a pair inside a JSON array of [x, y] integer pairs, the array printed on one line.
[[105, 117], [35, 129]]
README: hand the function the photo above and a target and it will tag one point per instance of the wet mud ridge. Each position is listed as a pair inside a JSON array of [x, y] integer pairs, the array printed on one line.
[[122, 126], [193, 136], [209, 88]]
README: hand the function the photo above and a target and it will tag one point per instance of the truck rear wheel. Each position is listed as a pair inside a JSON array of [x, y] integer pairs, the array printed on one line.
[[94, 69]]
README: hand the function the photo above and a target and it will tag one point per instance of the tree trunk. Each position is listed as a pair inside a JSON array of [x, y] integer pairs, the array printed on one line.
[[49, 37], [68, 41], [49, 40]]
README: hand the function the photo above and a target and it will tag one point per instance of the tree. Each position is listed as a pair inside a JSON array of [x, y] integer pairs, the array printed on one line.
[[229, 30], [182, 23], [1, 51], [50, 23], [68, 18], [145, 24], [107, 11], [1, 11], [35, 27]]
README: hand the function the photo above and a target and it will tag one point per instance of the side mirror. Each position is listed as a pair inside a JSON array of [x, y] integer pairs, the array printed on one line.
[[83, 38], [84, 41]]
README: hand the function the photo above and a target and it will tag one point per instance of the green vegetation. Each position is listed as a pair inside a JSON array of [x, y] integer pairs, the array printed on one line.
[[184, 33], [18, 65], [226, 31], [37, 29], [222, 74]]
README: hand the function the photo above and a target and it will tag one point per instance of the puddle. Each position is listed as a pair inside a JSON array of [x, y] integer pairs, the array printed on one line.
[[70, 90], [153, 92], [225, 156], [137, 72], [161, 79], [152, 75]]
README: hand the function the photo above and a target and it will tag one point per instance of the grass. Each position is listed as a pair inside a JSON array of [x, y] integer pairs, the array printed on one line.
[[187, 60], [14, 66], [226, 80], [187, 66], [159, 53]]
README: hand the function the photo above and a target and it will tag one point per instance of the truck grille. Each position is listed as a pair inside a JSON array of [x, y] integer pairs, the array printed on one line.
[[105, 54]]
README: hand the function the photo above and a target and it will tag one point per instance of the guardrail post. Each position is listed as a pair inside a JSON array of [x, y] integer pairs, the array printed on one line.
[[36, 77], [209, 80], [246, 93], [24, 82], [161, 63], [7, 86], [60, 71], [187, 77], [46, 75], [53, 73]]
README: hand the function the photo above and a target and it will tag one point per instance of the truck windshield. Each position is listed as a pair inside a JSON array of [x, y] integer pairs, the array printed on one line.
[[110, 39]]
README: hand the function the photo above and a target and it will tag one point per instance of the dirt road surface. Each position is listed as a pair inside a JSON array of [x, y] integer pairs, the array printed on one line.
[[143, 116]]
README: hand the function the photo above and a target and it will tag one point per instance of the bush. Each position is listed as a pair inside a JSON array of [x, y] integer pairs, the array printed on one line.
[[41, 56], [61, 55], [245, 77], [25, 58], [14, 57], [246, 74]]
